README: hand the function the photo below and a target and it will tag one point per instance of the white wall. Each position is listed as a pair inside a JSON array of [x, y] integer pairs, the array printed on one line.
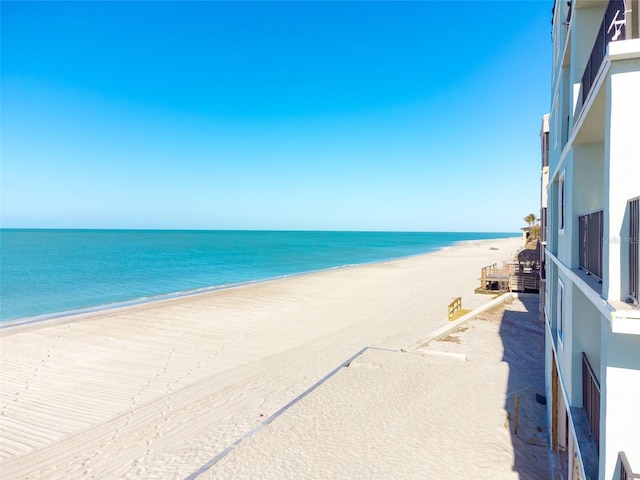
[[588, 188], [584, 27], [622, 165], [586, 336], [566, 235], [588, 195], [621, 432], [566, 359]]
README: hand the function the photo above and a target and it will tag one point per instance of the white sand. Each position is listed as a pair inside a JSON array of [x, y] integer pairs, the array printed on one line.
[[417, 414], [156, 390]]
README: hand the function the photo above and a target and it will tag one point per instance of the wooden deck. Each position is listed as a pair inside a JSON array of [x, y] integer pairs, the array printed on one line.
[[512, 277]]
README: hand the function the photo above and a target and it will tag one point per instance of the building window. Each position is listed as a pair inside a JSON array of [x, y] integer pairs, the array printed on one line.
[[634, 249], [590, 245], [545, 149], [562, 203], [560, 310]]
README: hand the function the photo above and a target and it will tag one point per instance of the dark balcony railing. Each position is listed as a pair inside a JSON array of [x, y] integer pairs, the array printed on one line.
[[591, 398], [590, 246], [625, 469], [634, 250], [608, 30]]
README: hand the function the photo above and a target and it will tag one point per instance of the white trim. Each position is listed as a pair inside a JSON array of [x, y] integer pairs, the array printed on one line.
[[626, 324], [594, 297], [627, 50]]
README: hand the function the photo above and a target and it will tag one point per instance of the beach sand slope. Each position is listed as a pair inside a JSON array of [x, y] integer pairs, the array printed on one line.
[[156, 390], [444, 411]]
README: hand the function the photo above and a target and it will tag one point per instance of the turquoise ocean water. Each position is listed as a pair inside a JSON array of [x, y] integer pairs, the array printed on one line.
[[49, 272]]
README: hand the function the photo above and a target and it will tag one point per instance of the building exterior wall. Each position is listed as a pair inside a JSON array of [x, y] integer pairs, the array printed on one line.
[[621, 425], [593, 168], [622, 162]]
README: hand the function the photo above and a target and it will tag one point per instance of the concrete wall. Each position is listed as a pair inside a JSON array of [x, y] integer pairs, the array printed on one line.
[[622, 167], [598, 175], [586, 337], [621, 424], [588, 175], [552, 217], [585, 25], [566, 234], [565, 345]]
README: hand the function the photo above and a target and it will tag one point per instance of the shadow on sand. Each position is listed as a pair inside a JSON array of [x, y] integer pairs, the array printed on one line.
[[522, 335]]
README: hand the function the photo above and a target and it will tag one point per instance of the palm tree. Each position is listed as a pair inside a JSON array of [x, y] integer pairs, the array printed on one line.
[[530, 219]]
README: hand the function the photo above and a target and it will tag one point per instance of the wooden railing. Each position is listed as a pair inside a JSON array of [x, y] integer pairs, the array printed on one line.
[[454, 307], [488, 268], [513, 276], [590, 230], [591, 398], [493, 278], [625, 469]]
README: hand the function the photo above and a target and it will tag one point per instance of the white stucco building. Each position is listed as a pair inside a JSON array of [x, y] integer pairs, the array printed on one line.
[[591, 291]]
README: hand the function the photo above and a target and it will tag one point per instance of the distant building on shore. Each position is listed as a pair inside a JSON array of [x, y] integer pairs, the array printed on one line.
[[590, 211]]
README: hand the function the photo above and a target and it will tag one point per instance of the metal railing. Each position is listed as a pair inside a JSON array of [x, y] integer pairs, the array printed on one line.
[[610, 30], [625, 469], [590, 229], [591, 398], [634, 250]]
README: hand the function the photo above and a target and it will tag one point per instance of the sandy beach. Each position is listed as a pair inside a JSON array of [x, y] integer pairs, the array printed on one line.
[[443, 410], [157, 390]]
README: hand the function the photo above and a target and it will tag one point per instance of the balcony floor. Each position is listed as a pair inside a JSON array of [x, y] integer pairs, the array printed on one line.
[[586, 442], [592, 281]]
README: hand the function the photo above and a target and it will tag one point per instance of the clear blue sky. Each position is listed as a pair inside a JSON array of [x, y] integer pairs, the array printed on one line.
[[411, 116]]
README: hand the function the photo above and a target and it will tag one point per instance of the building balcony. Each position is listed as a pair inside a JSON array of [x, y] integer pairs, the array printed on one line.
[[584, 420], [590, 231], [612, 28], [625, 468], [591, 398]]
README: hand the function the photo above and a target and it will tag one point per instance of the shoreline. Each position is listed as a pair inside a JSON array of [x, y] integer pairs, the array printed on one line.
[[97, 309], [156, 390]]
